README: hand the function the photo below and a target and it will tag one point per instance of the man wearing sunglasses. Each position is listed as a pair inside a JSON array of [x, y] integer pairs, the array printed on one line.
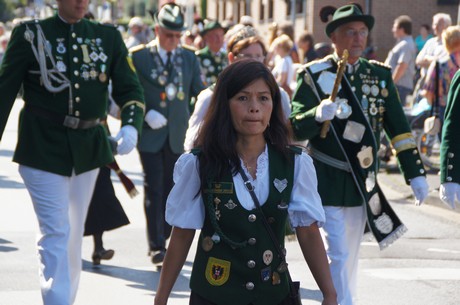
[[345, 158], [170, 76]]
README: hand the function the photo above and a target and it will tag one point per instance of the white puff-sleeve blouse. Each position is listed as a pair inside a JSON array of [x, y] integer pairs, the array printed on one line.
[[185, 209]]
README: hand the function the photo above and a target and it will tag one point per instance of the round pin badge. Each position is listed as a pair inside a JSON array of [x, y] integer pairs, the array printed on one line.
[[207, 243]]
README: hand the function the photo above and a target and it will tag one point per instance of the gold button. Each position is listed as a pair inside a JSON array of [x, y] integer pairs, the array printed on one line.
[[449, 179], [450, 166], [77, 113], [75, 59], [77, 99], [252, 218], [450, 155], [414, 152], [75, 47], [77, 86], [418, 162], [74, 35], [76, 73]]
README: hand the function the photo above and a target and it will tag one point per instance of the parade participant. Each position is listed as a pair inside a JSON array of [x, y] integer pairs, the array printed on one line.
[[346, 159], [449, 191], [244, 43], [244, 135], [64, 63], [213, 59], [170, 76]]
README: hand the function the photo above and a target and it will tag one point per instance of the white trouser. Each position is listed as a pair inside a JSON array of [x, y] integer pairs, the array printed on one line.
[[61, 204], [342, 233]]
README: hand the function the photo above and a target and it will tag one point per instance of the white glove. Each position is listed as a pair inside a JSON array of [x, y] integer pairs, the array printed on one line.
[[419, 188], [155, 119], [325, 111], [128, 137], [447, 193]]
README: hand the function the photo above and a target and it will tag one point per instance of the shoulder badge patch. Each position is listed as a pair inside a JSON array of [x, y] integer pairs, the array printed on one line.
[[217, 271], [320, 65]]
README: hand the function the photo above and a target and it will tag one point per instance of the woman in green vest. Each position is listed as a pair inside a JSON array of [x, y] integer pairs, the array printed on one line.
[[237, 262]]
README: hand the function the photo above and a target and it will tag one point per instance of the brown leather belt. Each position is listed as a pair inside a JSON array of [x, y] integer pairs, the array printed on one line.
[[65, 120]]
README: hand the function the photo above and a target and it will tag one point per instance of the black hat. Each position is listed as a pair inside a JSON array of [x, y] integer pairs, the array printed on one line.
[[348, 13], [170, 17], [211, 25]]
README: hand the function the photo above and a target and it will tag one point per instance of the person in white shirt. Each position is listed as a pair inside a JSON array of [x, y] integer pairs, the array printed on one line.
[[244, 135], [244, 43]]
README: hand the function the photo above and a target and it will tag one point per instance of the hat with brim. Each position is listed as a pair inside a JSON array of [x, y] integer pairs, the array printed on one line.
[[211, 25], [170, 17], [348, 13]]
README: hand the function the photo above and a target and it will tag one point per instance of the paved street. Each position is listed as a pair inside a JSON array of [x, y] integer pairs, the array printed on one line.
[[422, 268]]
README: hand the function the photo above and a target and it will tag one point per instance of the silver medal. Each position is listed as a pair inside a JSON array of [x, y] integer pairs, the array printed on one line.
[[171, 91], [343, 109]]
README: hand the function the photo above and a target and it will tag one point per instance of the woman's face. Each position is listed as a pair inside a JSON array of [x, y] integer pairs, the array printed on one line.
[[251, 109], [253, 51]]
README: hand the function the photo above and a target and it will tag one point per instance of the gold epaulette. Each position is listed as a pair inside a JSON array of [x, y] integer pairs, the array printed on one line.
[[137, 48], [379, 63], [189, 48]]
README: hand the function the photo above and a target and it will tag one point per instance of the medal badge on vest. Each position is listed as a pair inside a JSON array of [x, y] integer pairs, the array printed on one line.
[[171, 79]]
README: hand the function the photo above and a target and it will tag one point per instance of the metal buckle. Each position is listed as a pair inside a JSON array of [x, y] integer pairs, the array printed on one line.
[[71, 122], [249, 185]]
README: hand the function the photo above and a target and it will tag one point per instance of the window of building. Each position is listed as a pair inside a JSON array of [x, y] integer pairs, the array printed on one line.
[[261, 9], [298, 7], [270, 9]]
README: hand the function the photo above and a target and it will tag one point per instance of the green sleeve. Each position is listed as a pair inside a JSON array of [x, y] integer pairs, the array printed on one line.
[[450, 143], [304, 104], [127, 91], [12, 72]]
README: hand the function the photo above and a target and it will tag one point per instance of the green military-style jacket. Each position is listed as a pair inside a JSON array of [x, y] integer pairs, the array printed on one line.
[[373, 90], [81, 57], [236, 262], [450, 144], [167, 91], [211, 64]]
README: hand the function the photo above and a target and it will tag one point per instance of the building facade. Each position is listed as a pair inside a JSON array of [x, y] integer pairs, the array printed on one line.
[[304, 15]]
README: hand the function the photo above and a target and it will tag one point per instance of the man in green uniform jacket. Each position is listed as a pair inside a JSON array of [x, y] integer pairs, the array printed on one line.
[[170, 76], [449, 191], [213, 59], [346, 159], [64, 64]]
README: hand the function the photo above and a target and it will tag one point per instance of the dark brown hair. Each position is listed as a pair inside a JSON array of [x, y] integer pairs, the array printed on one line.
[[217, 137]]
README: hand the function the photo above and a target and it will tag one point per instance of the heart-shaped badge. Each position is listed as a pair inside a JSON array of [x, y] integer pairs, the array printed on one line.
[[280, 185]]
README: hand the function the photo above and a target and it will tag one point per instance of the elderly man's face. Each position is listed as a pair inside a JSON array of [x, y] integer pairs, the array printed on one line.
[[351, 36], [169, 40], [72, 10], [214, 39]]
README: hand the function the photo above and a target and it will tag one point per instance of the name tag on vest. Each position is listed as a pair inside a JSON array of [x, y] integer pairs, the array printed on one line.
[[220, 188]]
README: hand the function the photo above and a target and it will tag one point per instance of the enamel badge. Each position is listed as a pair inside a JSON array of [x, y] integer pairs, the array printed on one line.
[[365, 157], [280, 185]]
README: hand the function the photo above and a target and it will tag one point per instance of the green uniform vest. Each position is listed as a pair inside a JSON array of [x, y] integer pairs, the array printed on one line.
[[372, 86], [211, 64], [88, 55], [234, 272]]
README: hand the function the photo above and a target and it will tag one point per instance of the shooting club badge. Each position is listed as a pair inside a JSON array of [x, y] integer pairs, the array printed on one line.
[[217, 271], [365, 156]]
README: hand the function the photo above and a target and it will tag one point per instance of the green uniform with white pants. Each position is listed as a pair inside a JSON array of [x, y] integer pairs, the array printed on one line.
[[65, 71]]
